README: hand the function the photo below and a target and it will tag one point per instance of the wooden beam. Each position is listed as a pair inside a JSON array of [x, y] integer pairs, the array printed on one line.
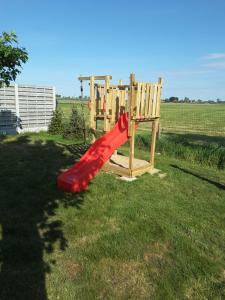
[[95, 77], [130, 102], [153, 142], [93, 108], [111, 168], [160, 83], [141, 170], [132, 142], [107, 99]]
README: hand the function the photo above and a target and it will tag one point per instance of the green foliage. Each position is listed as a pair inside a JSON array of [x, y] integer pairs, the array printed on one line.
[[76, 128], [195, 148], [56, 126], [11, 57]]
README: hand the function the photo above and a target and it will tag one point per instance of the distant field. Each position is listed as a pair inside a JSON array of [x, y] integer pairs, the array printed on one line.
[[200, 118], [175, 117]]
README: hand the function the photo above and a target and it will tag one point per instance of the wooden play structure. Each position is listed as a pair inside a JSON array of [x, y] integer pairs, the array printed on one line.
[[108, 102]]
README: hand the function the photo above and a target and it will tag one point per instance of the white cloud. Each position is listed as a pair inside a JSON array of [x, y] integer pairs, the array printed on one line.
[[215, 65], [212, 56]]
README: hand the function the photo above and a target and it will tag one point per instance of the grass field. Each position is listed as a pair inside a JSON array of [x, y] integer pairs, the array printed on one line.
[[193, 118], [150, 239], [183, 118], [186, 132]]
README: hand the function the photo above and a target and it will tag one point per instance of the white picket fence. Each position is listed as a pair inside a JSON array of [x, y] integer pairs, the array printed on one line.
[[26, 108]]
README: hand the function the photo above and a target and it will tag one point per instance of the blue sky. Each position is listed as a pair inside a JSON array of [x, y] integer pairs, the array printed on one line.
[[182, 41]]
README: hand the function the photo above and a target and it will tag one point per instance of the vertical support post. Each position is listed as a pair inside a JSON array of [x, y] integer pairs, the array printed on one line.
[[160, 83], [92, 112], [106, 120], [132, 143], [131, 123], [155, 124], [131, 103]]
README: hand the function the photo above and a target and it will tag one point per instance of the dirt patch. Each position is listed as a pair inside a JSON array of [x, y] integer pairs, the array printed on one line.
[[155, 251], [73, 269], [123, 280], [86, 240], [113, 225]]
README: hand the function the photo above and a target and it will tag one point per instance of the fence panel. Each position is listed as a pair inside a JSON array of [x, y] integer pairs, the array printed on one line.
[[26, 108]]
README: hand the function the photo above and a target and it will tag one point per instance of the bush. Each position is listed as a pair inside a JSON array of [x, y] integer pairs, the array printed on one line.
[[77, 128], [56, 126]]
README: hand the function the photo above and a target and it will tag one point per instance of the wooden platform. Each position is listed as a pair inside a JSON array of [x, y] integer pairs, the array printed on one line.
[[119, 165]]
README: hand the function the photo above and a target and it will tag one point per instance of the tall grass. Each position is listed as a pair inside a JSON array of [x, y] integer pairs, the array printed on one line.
[[204, 150]]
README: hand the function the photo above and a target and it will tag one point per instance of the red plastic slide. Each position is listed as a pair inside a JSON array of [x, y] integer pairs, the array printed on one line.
[[78, 176]]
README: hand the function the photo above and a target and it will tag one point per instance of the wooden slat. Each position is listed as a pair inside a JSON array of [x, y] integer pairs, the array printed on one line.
[[160, 83], [137, 98], [146, 100], [143, 99], [154, 99], [92, 98]]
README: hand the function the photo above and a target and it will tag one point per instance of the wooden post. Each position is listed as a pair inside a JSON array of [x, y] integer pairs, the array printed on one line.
[[131, 103], [131, 123], [132, 143], [106, 121], [153, 142], [92, 112]]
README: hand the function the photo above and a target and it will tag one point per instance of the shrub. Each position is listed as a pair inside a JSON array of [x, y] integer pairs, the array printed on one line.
[[56, 126], [77, 128]]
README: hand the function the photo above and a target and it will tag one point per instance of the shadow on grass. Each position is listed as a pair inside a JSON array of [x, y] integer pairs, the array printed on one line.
[[215, 183], [29, 227], [77, 149]]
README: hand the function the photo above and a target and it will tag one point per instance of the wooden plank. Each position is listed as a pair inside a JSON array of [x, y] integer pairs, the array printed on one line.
[[115, 169], [106, 121], [137, 100], [130, 102], [160, 83], [153, 141], [154, 100], [149, 101], [92, 98], [146, 100], [143, 99], [132, 142], [141, 170], [96, 77]]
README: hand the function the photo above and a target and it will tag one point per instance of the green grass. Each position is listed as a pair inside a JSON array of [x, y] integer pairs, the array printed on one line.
[[193, 118], [193, 132], [203, 149], [208, 119], [150, 239]]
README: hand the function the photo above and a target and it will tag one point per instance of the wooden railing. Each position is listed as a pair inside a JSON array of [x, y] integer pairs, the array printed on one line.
[[147, 100]]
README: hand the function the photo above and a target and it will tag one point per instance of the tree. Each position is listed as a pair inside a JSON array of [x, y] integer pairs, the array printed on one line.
[[77, 127], [11, 57], [187, 100], [56, 126], [173, 99]]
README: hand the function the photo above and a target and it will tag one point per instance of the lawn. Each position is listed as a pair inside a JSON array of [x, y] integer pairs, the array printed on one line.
[[206, 119], [200, 118], [150, 239]]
